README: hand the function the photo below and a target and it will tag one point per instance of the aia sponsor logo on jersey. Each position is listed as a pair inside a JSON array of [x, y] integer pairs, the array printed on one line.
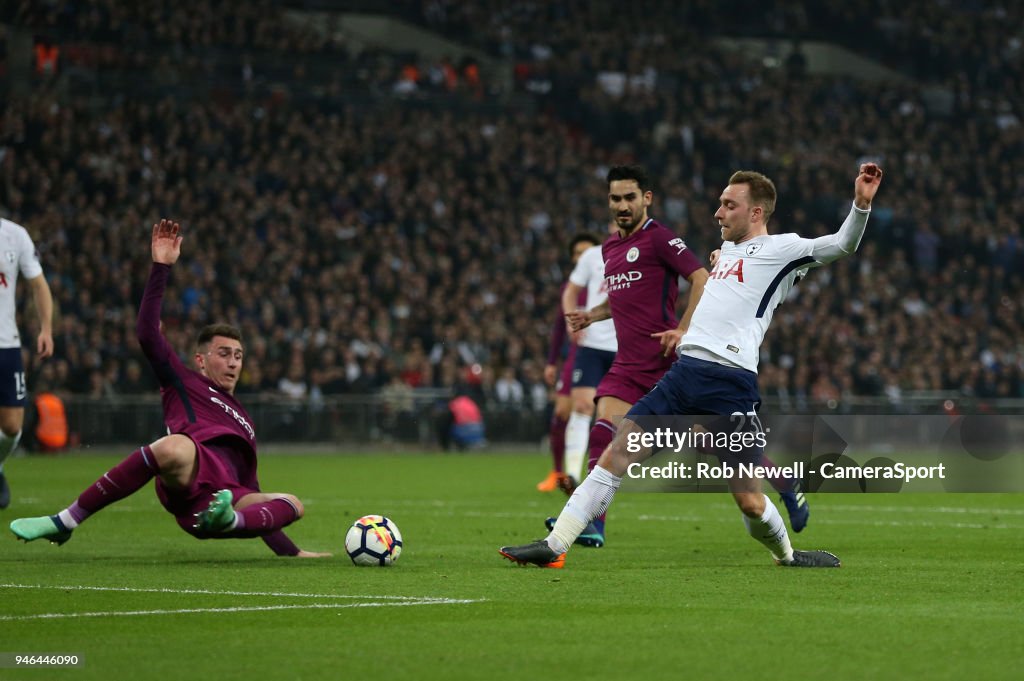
[[726, 269], [3, 280]]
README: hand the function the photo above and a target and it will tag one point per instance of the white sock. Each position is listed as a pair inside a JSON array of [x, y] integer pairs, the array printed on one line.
[[771, 531], [8, 443], [577, 435], [590, 500], [68, 519]]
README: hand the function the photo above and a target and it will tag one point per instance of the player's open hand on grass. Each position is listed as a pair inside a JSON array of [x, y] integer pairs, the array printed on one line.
[[166, 242], [867, 184]]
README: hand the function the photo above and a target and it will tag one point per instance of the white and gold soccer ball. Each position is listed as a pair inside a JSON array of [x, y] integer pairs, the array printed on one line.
[[373, 540]]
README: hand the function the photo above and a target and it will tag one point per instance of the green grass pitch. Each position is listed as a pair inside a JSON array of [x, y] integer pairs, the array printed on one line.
[[930, 588]]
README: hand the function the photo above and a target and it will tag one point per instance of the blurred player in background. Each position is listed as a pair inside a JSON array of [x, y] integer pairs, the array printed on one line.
[[561, 340], [206, 467], [20, 257], [716, 372], [595, 352]]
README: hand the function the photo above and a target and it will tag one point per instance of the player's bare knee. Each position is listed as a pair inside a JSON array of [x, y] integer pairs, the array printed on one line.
[[563, 409], [11, 420], [173, 453], [300, 510]]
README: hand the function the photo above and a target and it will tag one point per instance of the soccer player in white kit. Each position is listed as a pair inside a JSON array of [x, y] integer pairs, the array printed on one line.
[[716, 372], [595, 353], [18, 256]]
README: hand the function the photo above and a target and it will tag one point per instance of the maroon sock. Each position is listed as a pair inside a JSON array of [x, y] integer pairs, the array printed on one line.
[[557, 434], [258, 520], [601, 435], [122, 480]]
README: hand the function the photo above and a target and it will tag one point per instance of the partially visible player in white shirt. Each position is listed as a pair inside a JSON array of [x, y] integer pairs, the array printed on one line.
[[18, 256], [717, 366], [600, 337]]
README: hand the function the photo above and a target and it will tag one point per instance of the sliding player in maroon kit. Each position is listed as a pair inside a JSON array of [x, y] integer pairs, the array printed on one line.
[[206, 467]]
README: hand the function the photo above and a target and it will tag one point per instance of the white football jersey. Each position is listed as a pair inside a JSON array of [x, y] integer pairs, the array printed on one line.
[[17, 256], [747, 284], [589, 273]]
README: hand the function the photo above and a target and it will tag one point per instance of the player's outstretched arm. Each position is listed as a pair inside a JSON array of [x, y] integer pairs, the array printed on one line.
[[167, 238], [165, 248], [844, 242]]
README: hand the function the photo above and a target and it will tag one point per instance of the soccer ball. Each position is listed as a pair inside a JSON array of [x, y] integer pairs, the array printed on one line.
[[373, 540]]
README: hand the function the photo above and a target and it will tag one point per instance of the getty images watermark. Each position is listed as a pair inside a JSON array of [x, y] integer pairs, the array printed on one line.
[[737, 443], [829, 454]]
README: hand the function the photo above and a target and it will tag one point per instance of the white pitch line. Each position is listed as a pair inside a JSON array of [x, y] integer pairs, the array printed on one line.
[[255, 608], [928, 509], [911, 509], [957, 510], [679, 518], [385, 504], [924, 523], [833, 520], [452, 506], [209, 592], [838, 521]]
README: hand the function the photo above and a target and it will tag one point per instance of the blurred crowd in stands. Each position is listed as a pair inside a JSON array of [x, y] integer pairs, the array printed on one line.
[[162, 45], [390, 244]]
